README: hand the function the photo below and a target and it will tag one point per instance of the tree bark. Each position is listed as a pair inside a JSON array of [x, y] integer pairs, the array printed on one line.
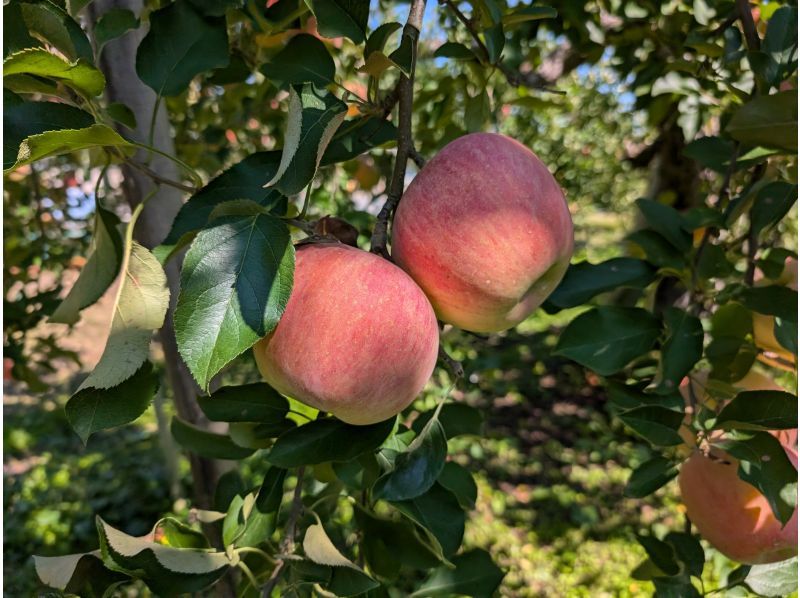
[[117, 62]]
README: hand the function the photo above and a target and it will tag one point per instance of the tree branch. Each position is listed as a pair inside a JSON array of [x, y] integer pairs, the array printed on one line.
[[158, 178], [405, 93], [287, 544], [749, 27]]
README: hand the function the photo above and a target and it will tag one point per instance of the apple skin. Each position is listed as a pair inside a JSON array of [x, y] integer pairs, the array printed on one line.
[[731, 514], [358, 338], [485, 230]]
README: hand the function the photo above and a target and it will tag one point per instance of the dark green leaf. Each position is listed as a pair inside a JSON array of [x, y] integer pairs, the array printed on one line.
[[667, 222], [80, 75], [99, 272], [454, 50], [378, 38], [655, 424], [206, 444], [763, 464], [661, 553], [244, 180], [710, 152], [437, 511], [305, 59], [730, 353], [122, 114], [416, 469], [458, 480], [681, 351], [270, 494], [585, 280], [354, 137], [336, 18], [475, 574], [628, 397], [786, 334], [48, 21], [769, 121], [314, 116], [773, 201], [235, 283], [773, 300], [215, 8], [713, 263], [359, 473], [688, 551], [495, 40], [780, 41], [93, 409], [477, 111], [457, 419], [327, 439], [15, 36], [675, 587], [774, 579], [112, 24], [606, 339], [760, 410], [23, 119], [650, 476], [658, 250], [256, 402], [533, 12], [180, 45]]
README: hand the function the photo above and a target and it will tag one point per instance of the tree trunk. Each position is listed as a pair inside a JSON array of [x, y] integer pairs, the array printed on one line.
[[123, 85]]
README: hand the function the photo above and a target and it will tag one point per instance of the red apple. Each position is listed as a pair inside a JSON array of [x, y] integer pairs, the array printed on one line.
[[731, 514], [358, 338], [485, 230]]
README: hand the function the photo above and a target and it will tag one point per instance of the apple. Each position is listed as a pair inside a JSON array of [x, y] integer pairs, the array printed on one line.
[[485, 230], [732, 515], [358, 338]]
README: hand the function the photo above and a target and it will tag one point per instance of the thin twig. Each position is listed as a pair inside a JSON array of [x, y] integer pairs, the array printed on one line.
[[287, 544], [470, 27], [749, 27], [405, 87], [418, 159], [453, 365], [160, 179]]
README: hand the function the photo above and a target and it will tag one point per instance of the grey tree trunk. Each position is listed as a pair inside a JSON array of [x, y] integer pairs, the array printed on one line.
[[123, 85]]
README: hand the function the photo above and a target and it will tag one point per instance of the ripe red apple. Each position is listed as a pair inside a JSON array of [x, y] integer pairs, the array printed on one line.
[[731, 514], [485, 230], [358, 338]]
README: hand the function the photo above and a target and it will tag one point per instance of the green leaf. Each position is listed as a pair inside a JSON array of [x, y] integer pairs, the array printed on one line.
[[667, 222], [141, 305], [416, 469], [244, 180], [437, 511], [15, 38], [661, 553], [773, 201], [403, 56], [180, 45], [533, 12], [629, 396], [475, 574], [710, 152], [606, 339], [780, 42], [376, 64], [112, 24], [713, 263], [785, 332], [262, 515], [256, 402], [769, 121], [305, 59], [354, 137], [730, 353], [235, 283], [495, 40], [658, 250], [166, 570], [327, 439], [650, 476], [216, 8], [48, 21], [319, 548], [359, 473], [763, 464], [55, 143], [93, 409], [206, 444], [377, 39], [336, 18], [688, 551], [268, 499], [99, 272], [658, 425], [458, 480], [681, 351], [314, 116], [455, 51], [80, 75], [774, 579], [772, 300], [585, 280], [477, 111], [457, 419], [82, 574], [122, 114], [759, 410], [180, 535], [389, 544], [23, 119]]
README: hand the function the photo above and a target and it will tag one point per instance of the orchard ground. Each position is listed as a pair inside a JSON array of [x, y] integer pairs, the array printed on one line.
[[551, 469]]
